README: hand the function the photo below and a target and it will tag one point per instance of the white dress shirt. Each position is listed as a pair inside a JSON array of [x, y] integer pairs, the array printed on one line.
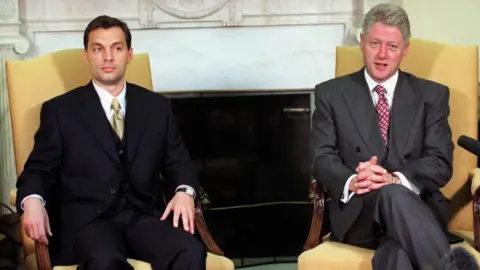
[[389, 86], [106, 100]]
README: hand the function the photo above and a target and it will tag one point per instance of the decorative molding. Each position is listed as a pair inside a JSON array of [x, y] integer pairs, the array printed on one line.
[[19, 43], [8, 9], [190, 9], [55, 15]]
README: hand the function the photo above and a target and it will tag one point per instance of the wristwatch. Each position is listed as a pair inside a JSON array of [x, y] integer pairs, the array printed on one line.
[[395, 180], [189, 191]]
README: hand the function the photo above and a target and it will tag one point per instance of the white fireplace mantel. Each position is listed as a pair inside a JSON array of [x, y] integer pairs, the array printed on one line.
[[59, 15]]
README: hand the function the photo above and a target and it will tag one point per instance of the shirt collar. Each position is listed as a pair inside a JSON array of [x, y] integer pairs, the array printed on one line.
[[389, 84], [106, 97]]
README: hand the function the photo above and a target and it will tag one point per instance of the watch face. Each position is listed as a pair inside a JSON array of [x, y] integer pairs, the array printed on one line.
[[189, 192]]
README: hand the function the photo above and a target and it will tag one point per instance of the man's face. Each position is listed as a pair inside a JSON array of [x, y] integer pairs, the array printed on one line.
[[383, 49], [107, 55]]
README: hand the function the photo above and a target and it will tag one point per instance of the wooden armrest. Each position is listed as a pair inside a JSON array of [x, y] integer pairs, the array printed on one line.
[[202, 225], [474, 177], [43, 256], [317, 198]]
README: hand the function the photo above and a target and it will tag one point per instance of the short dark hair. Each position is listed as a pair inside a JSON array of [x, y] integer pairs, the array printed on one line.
[[106, 22]]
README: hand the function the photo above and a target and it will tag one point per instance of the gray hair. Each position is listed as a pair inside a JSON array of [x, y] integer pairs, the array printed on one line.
[[388, 14]]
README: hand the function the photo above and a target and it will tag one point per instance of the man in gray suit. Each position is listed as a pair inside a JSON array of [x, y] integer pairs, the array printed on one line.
[[382, 148]]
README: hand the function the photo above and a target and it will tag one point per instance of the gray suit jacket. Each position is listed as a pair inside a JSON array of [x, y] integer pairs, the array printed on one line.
[[345, 132]]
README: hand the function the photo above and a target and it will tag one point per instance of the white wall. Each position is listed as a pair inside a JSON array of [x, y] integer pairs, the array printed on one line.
[[450, 21]]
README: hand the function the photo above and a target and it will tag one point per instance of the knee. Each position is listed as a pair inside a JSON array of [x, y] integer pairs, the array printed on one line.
[[106, 261], [395, 192], [195, 251]]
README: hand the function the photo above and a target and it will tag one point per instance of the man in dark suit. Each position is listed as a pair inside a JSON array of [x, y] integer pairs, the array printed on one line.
[[382, 149], [97, 165]]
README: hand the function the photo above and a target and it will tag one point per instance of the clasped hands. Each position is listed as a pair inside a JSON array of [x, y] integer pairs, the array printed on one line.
[[370, 176]]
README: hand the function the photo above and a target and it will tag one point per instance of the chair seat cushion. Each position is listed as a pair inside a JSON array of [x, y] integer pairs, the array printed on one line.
[[214, 262], [334, 255]]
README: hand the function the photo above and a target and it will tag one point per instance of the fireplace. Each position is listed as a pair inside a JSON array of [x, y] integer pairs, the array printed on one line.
[[252, 152]]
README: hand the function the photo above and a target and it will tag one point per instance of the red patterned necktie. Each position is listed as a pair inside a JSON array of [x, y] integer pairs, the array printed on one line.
[[383, 112]]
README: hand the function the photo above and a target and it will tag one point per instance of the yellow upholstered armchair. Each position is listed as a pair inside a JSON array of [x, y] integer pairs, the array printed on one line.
[[456, 67], [30, 83]]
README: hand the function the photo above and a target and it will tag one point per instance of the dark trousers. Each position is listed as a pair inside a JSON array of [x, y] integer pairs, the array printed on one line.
[[401, 228], [130, 233]]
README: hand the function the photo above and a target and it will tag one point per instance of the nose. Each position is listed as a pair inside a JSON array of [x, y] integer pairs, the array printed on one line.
[[107, 56], [382, 52]]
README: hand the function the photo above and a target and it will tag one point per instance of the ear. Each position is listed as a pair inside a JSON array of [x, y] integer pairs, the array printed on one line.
[[130, 55], [362, 40], [405, 50], [85, 58]]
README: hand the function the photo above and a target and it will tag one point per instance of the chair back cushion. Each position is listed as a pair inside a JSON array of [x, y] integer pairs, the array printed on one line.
[[32, 82]]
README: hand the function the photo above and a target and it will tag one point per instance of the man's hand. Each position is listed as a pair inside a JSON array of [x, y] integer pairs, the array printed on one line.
[[35, 220], [181, 204], [370, 176]]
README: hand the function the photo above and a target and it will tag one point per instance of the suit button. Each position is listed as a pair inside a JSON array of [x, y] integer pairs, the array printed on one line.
[[408, 156], [341, 197], [357, 149], [112, 191], [120, 152]]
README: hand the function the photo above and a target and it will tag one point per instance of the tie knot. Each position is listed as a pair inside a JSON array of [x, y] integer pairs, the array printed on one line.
[[115, 104], [379, 89]]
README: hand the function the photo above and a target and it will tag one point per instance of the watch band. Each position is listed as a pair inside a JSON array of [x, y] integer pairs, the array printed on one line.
[[395, 180], [187, 190]]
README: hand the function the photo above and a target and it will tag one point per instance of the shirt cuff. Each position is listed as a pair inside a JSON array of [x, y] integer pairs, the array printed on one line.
[[32, 196], [346, 196], [187, 186], [404, 181]]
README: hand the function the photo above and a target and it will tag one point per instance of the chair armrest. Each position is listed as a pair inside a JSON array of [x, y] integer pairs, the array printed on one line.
[[474, 177], [28, 244], [317, 198], [43, 256], [202, 225]]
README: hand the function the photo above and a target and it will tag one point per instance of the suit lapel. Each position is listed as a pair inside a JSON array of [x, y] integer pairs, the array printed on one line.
[[405, 105], [136, 118], [97, 123], [360, 104]]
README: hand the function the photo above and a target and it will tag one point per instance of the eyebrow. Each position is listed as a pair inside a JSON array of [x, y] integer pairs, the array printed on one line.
[[113, 44]]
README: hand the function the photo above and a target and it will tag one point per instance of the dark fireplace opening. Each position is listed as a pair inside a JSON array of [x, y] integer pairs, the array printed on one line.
[[252, 150]]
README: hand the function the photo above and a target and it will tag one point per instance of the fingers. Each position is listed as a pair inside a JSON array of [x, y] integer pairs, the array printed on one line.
[[378, 169], [176, 217], [362, 166], [363, 175], [361, 191], [375, 178], [167, 211], [363, 184], [47, 224], [376, 186], [36, 231], [185, 219], [36, 228], [191, 218]]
